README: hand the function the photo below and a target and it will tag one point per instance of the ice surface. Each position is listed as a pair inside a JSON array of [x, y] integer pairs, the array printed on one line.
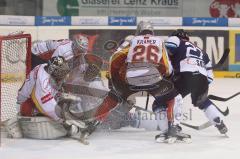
[[138, 143]]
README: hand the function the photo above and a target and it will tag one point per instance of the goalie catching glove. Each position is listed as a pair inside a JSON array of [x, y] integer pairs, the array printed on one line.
[[91, 72]]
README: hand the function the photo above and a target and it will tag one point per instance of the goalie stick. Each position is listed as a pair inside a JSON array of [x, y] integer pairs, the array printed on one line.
[[221, 61], [213, 97]]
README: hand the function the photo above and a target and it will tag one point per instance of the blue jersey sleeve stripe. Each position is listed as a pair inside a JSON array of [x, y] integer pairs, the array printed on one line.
[[171, 44]]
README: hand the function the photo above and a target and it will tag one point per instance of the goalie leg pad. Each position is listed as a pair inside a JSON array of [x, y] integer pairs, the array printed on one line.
[[13, 128], [41, 128]]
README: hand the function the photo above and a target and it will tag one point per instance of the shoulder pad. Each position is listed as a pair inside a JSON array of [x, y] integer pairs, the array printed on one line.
[[172, 42], [129, 38]]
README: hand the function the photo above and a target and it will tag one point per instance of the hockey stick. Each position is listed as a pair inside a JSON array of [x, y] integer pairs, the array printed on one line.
[[147, 101], [200, 127], [213, 97], [207, 124], [225, 113], [221, 61], [140, 108]]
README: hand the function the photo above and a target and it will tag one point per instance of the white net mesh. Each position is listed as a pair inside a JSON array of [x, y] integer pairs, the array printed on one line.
[[14, 50]]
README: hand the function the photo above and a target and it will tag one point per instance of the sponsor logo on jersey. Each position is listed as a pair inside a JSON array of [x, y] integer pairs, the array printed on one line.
[[46, 98]]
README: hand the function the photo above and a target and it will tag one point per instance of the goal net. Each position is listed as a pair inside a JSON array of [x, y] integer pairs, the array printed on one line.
[[15, 58]]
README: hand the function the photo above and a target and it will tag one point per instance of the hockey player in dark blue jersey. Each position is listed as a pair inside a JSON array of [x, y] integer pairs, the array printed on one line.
[[192, 77]]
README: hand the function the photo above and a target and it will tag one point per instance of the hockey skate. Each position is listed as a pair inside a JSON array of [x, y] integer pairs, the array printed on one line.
[[220, 126], [82, 133], [173, 135], [88, 131]]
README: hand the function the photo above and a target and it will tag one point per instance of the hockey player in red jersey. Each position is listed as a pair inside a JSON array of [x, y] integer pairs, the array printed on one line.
[[143, 65]]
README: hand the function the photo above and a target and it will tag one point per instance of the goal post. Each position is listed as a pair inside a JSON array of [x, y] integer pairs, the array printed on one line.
[[15, 64]]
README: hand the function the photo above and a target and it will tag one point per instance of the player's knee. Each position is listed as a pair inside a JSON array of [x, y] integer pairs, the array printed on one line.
[[201, 101], [179, 99], [203, 104], [158, 105]]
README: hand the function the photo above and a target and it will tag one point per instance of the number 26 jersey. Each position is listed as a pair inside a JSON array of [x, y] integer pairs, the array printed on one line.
[[149, 49]]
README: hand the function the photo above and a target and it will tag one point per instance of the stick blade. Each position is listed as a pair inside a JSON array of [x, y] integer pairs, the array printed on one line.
[[222, 60]]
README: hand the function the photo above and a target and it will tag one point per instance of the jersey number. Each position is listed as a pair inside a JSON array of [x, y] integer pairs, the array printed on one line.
[[196, 53], [145, 53]]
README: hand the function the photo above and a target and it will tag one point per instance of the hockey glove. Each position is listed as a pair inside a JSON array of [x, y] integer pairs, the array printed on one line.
[[91, 72]]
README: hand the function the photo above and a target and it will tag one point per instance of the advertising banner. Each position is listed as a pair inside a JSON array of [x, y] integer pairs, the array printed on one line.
[[122, 21], [225, 8], [113, 7], [52, 20], [17, 20], [103, 42], [227, 74], [234, 22], [144, 8], [162, 21], [190, 21], [234, 41], [89, 20]]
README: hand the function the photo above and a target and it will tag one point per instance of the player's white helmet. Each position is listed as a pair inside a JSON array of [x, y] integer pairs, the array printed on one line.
[[58, 68], [80, 44], [144, 27]]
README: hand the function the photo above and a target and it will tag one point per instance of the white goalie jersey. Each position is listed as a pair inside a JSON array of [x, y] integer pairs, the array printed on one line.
[[41, 89]]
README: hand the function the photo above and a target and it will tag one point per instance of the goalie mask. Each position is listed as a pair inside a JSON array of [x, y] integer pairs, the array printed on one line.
[[80, 44], [144, 27], [58, 68], [181, 34]]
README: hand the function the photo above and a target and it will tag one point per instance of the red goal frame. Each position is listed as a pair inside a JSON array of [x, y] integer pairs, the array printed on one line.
[[28, 60]]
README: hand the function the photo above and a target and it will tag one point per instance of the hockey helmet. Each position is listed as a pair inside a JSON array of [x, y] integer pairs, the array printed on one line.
[[80, 44], [144, 27], [58, 68], [181, 34]]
